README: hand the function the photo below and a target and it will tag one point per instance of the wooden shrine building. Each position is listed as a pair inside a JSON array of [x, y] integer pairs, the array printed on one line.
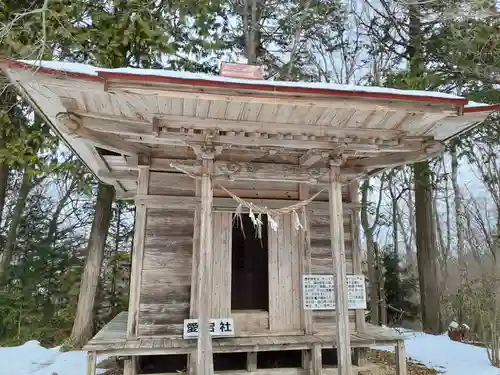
[[246, 253]]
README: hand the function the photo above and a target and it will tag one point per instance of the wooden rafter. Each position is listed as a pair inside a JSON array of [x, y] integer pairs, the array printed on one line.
[[313, 156], [192, 92]]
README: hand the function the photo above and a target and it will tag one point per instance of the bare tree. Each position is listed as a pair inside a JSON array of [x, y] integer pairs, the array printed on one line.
[[371, 247], [83, 325]]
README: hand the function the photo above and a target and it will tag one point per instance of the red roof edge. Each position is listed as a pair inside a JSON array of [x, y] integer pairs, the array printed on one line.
[[103, 76], [482, 108], [13, 64]]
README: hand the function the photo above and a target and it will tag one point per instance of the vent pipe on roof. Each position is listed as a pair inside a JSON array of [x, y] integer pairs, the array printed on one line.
[[243, 71]]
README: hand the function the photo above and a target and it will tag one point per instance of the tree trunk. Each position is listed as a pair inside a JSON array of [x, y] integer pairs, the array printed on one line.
[[427, 257], [4, 182], [4, 179], [8, 249], [370, 249], [459, 223], [381, 284], [83, 325], [114, 268]]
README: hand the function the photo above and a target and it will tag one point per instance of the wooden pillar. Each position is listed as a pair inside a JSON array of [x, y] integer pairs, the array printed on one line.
[[138, 252], [130, 366], [317, 361], [91, 363], [401, 358], [204, 358], [339, 269], [193, 303], [137, 258], [359, 354], [252, 361], [305, 268]]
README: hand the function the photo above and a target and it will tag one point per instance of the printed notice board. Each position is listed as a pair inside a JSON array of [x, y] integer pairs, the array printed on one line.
[[319, 292]]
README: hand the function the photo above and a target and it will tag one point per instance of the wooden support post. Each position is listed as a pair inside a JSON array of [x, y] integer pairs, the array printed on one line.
[[360, 357], [130, 366], [251, 361], [305, 268], [193, 307], [91, 363], [400, 358], [317, 362], [204, 359], [356, 247], [339, 269], [360, 354], [137, 253]]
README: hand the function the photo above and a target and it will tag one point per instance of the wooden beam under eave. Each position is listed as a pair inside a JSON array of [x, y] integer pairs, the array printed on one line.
[[71, 126], [290, 141], [393, 160], [243, 171], [157, 131], [229, 204]]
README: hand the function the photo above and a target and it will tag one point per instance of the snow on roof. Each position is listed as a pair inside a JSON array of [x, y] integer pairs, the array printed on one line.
[[93, 71], [472, 104]]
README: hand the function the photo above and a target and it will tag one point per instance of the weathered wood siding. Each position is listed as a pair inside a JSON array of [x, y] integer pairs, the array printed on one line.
[[322, 263], [166, 274], [165, 292], [221, 281], [284, 276]]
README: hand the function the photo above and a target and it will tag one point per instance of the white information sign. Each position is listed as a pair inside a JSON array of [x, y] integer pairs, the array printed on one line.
[[356, 293], [218, 328], [319, 292]]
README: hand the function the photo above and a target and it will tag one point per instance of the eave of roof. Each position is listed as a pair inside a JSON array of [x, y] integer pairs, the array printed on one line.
[[482, 108], [275, 87]]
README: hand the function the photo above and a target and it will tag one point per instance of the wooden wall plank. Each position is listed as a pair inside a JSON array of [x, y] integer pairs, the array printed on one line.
[[193, 304], [321, 262], [222, 265], [284, 301], [182, 185], [166, 273]]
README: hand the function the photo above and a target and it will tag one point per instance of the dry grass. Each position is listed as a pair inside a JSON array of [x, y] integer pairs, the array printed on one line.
[[387, 364]]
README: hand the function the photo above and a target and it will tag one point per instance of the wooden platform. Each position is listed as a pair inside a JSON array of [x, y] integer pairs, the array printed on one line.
[[112, 339]]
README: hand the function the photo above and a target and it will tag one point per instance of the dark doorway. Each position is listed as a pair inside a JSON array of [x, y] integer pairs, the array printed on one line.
[[250, 278]]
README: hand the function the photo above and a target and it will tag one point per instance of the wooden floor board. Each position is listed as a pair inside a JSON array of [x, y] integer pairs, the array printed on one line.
[[112, 339]]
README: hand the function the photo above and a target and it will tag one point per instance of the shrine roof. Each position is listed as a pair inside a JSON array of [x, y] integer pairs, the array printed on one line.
[[110, 116], [89, 72]]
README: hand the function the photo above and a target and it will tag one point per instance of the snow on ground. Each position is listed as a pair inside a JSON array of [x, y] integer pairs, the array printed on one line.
[[446, 356], [33, 359]]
